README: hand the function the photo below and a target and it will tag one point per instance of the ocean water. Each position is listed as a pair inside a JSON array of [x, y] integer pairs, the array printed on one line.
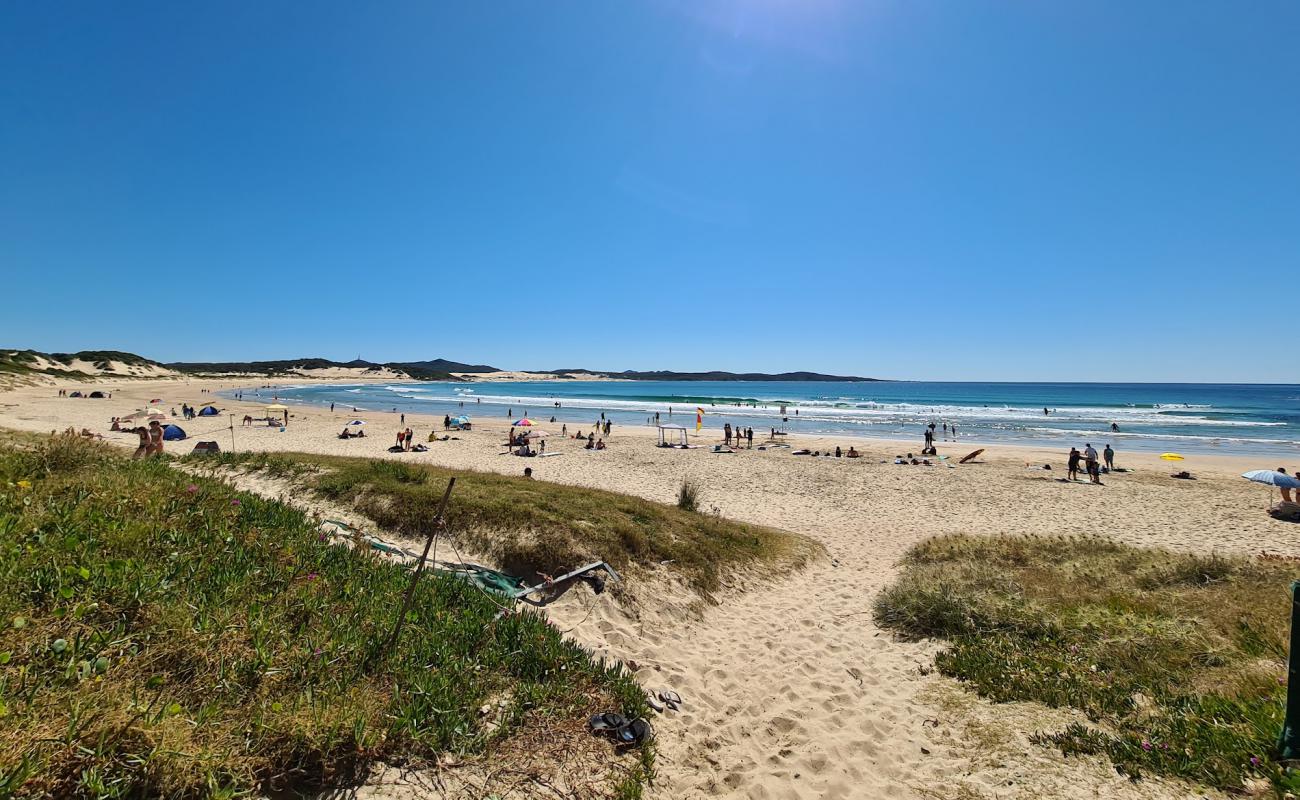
[[1219, 418]]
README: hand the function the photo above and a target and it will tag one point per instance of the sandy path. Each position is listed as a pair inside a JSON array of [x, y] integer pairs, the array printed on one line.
[[790, 689]]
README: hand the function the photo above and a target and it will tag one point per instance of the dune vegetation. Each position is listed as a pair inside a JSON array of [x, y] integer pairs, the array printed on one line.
[[533, 527], [166, 635], [1176, 661]]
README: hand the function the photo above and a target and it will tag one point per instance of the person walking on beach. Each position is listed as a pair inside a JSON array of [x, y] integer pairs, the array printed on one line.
[[1109, 455]]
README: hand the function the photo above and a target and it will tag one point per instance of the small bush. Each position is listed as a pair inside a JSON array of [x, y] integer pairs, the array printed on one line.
[[688, 497]]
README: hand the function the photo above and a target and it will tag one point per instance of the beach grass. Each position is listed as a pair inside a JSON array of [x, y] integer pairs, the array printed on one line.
[[530, 527], [1176, 661], [168, 636]]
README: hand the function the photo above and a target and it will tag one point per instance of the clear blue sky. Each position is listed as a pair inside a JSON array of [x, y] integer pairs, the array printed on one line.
[[927, 190]]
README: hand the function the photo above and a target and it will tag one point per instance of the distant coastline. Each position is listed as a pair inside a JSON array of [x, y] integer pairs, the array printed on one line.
[[88, 365]]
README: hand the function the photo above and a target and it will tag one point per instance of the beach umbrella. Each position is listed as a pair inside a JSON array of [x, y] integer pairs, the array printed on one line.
[[357, 422], [524, 421], [1272, 478], [537, 435], [277, 407]]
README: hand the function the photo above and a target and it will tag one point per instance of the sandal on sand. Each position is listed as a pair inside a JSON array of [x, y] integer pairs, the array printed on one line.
[[670, 698], [634, 733], [653, 702], [607, 723]]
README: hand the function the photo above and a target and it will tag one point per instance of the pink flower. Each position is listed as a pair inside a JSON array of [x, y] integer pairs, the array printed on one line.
[[191, 488], [311, 576], [1146, 745], [1254, 761], [234, 502]]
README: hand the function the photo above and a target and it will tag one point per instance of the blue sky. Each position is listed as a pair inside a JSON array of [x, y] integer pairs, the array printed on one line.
[[978, 191]]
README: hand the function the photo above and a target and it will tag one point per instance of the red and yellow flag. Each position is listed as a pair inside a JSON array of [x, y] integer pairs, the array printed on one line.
[[699, 418]]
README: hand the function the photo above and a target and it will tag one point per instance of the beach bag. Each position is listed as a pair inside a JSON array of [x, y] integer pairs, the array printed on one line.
[[210, 448], [1287, 512]]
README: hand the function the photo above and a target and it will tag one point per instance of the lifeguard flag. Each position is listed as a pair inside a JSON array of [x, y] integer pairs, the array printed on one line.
[[699, 419]]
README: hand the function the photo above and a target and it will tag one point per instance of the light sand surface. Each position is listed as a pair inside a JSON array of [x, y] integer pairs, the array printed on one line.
[[790, 689]]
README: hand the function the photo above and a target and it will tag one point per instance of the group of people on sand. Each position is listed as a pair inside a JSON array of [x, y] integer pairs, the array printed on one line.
[[741, 435], [151, 440], [1092, 466]]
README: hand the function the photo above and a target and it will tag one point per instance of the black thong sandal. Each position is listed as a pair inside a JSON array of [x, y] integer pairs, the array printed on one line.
[[634, 733], [610, 723]]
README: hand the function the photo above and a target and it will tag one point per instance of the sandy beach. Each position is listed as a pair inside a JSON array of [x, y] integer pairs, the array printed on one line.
[[790, 689]]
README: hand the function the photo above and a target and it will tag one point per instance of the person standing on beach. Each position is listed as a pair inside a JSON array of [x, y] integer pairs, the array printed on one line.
[[726, 433], [1090, 459], [749, 436], [410, 438], [155, 439], [143, 449], [929, 440], [401, 435], [331, 408], [953, 428], [1072, 467], [403, 422], [1109, 455]]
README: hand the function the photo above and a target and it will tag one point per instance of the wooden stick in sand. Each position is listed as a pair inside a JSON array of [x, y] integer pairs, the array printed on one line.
[[419, 567]]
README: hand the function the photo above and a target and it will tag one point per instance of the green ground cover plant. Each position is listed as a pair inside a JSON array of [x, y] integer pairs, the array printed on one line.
[[162, 634], [530, 527], [1178, 661]]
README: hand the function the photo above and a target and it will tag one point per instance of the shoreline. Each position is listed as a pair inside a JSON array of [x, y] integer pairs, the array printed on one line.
[[621, 412]]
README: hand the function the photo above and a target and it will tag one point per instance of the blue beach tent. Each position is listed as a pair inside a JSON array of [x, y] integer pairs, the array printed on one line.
[[173, 433]]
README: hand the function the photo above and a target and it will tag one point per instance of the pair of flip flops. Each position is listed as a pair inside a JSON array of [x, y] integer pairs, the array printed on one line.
[[622, 730], [664, 698]]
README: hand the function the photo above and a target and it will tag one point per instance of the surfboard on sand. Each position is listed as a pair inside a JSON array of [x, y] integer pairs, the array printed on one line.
[[971, 457]]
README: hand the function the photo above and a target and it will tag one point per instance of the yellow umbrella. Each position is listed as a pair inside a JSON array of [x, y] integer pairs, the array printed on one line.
[[1171, 457]]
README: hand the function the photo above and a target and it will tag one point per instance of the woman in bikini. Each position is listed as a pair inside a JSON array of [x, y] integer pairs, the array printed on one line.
[[155, 439], [143, 449]]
